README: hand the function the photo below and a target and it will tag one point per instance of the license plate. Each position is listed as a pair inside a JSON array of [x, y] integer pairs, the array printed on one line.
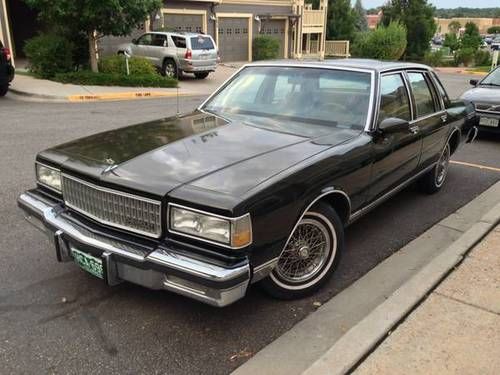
[[88, 263], [488, 121]]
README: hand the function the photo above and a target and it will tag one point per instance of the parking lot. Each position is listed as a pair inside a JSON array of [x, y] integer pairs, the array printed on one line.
[[57, 319]]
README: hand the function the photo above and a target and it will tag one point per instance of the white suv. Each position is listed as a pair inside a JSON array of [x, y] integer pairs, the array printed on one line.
[[176, 53]]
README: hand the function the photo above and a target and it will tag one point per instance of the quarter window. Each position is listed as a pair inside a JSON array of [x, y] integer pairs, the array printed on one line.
[[145, 40], [422, 94], [394, 101]]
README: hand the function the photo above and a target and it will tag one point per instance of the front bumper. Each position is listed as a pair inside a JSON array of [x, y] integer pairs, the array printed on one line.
[[155, 267]]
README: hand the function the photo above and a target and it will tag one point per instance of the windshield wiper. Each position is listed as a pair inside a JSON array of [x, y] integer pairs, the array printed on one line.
[[489, 84]]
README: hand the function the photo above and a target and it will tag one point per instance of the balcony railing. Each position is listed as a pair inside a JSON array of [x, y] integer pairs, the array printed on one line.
[[333, 48], [313, 21]]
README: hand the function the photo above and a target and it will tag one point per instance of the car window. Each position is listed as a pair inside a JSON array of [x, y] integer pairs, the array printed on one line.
[[201, 42], [179, 41], [441, 89], [283, 95], [145, 40], [160, 40], [394, 101], [492, 79], [422, 94]]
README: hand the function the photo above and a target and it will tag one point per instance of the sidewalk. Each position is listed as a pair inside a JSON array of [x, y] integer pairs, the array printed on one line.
[[456, 330], [32, 88]]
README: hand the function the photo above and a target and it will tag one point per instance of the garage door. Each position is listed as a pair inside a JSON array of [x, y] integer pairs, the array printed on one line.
[[275, 29], [191, 23], [233, 39]]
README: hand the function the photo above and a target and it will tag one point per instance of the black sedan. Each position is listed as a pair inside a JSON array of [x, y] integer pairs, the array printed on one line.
[[257, 185], [6, 69], [486, 97]]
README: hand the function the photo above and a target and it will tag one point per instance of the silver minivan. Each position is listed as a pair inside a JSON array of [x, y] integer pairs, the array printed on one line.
[[176, 53]]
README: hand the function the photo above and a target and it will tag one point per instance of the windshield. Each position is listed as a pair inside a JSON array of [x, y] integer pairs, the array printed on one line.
[[201, 42], [492, 79], [297, 95]]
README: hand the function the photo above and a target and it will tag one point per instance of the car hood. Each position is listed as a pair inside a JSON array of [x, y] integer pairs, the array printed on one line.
[[159, 156], [483, 95]]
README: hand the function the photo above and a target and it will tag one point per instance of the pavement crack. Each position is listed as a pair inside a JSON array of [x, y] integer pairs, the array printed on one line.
[[96, 326], [466, 303]]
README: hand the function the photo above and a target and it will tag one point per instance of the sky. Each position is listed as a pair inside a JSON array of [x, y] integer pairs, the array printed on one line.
[[444, 3]]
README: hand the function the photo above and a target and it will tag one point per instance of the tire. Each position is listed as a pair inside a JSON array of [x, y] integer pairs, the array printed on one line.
[[288, 282], [202, 75], [434, 180], [3, 90], [169, 69]]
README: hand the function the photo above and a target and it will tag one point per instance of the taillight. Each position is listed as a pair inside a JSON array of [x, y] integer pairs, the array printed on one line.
[[7, 54], [188, 55], [218, 56]]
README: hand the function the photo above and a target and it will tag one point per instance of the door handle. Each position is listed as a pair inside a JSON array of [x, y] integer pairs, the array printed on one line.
[[414, 129], [444, 118]]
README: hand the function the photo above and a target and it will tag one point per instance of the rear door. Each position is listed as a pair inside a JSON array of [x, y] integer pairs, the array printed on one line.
[[159, 46], [431, 118], [204, 51], [396, 155]]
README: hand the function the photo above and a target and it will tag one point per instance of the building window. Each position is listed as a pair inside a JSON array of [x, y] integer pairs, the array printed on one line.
[[229, 31], [269, 31], [276, 31], [198, 29], [221, 31], [245, 30], [189, 29], [237, 31]]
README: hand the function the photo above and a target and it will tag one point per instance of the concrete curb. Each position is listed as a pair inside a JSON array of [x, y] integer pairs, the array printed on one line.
[[351, 348], [131, 95]]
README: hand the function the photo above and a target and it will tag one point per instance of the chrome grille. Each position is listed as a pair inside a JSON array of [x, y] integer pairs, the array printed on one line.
[[121, 210], [485, 107]]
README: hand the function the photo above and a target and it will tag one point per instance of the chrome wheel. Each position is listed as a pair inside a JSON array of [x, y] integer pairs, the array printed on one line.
[[442, 166], [169, 69], [311, 248]]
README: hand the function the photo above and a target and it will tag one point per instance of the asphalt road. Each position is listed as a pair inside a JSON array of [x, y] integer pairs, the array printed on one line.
[[54, 318]]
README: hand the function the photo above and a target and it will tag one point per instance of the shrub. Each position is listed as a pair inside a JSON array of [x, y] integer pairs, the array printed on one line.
[[482, 58], [384, 43], [265, 48], [49, 54], [87, 77], [117, 65], [464, 56], [493, 30], [434, 58]]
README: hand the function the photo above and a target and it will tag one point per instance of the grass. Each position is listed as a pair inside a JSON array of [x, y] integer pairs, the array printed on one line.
[[485, 69]]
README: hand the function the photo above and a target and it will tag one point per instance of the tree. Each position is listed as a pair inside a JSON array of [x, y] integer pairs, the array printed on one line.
[[471, 38], [418, 18], [384, 43], [96, 18], [494, 30], [451, 41], [454, 27], [340, 20], [361, 24]]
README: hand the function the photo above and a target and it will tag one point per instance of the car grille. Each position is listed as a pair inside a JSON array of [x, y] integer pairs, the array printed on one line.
[[485, 107], [121, 210]]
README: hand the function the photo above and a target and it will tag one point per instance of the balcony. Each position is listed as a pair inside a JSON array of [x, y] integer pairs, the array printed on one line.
[[313, 21]]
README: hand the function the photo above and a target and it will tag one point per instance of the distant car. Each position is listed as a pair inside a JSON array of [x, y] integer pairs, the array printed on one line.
[[438, 40], [176, 53], [495, 43], [486, 97], [6, 69]]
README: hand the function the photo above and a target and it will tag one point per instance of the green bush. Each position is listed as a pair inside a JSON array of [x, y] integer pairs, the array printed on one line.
[[117, 65], [49, 54], [493, 30], [434, 58], [265, 48], [482, 58], [383, 43], [86, 77], [464, 56]]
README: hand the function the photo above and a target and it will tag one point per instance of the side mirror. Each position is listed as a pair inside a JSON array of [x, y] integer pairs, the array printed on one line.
[[134, 41], [473, 82], [393, 125]]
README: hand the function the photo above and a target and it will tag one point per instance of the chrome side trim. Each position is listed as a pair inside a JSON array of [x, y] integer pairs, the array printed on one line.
[[230, 219], [356, 215], [262, 271], [119, 193]]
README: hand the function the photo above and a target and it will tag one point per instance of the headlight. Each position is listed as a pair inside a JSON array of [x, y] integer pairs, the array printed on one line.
[[234, 233], [48, 176]]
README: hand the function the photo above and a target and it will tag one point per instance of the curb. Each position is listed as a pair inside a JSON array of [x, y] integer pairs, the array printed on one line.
[[461, 71], [132, 95], [354, 346]]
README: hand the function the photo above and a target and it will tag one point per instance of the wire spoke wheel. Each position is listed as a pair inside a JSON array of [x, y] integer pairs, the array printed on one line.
[[307, 252], [442, 166]]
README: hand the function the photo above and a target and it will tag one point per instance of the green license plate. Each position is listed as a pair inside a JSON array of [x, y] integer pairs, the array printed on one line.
[[88, 263]]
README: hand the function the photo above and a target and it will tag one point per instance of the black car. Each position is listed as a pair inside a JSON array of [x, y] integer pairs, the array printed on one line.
[[6, 69], [257, 184], [486, 97]]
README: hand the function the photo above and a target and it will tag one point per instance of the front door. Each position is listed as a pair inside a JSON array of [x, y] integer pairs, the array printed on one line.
[[396, 155]]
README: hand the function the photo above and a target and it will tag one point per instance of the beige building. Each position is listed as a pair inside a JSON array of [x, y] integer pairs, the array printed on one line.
[[482, 23]]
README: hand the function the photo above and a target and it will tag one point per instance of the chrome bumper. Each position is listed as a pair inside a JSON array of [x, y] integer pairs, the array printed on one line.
[[154, 268]]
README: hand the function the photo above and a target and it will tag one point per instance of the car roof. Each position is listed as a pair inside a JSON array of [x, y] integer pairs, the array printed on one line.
[[177, 33], [366, 64]]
